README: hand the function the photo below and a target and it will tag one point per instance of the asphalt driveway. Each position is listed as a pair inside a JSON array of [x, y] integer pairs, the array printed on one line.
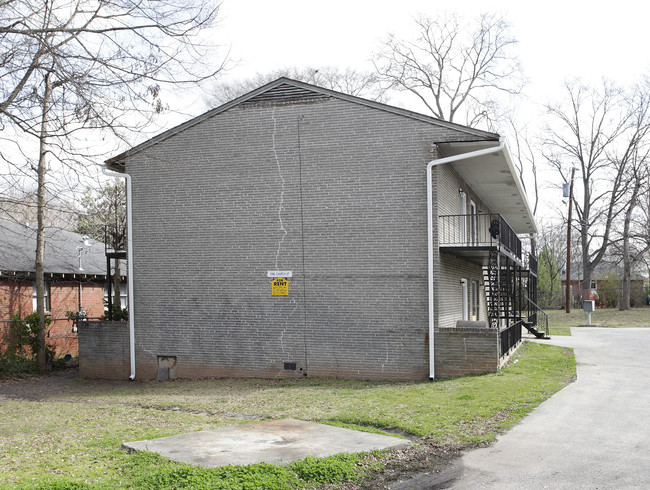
[[593, 434]]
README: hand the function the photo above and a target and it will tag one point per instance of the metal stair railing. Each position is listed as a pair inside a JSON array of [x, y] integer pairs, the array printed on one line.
[[493, 295], [537, 309]]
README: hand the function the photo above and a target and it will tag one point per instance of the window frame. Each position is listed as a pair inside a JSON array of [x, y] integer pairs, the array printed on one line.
[[474, 300], [47, 297]]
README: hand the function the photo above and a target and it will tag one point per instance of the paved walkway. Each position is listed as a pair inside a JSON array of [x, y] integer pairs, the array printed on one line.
[[593, 434]]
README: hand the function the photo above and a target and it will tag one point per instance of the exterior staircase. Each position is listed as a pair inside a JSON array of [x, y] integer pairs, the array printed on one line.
[[537, 333], [506, 300]]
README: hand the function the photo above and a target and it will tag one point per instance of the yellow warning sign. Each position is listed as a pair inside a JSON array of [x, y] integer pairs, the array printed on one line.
[[279, 287]]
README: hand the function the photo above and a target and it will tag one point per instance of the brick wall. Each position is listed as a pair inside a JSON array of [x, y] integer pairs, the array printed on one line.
[[463, 351], [104, 350], [450, 183], [334, 192], [451, 269], [448, 288], [16, 297], [64, 298]]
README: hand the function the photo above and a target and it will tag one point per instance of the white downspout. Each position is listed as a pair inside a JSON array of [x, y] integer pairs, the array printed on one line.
[[129, 259], [430, 224]]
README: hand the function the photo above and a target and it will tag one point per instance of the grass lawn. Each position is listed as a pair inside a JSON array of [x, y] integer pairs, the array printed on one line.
[[70, 435], [562, 331], [606, 317]]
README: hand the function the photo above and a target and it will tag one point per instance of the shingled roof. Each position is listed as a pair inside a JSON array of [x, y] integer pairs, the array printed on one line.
[[18, 252]]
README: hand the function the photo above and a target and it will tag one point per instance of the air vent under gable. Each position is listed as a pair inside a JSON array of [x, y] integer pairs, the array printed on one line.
[[285, 94]]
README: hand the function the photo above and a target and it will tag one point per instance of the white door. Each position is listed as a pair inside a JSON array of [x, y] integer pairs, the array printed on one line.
[[474, 300], [465, 299]]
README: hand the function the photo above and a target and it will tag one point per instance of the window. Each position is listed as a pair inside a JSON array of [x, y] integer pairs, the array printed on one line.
[[123, 295], [46, 296], [474, 300], [594, 286]]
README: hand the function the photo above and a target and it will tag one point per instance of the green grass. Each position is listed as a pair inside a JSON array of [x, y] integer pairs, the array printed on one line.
[[561, 331], [605, 317], [73, 437]]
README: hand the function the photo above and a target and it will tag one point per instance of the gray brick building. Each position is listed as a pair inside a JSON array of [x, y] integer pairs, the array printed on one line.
[[328, 191]]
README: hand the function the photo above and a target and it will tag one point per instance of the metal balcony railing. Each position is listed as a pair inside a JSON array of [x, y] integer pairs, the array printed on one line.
[[478, 230]]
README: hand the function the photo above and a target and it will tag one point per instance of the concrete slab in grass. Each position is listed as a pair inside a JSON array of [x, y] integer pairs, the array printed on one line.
[[276, 442]]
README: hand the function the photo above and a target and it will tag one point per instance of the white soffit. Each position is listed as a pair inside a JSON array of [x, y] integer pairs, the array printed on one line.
[[494, 179]]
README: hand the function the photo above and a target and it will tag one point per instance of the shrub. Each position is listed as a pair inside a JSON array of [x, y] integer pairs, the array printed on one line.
[[21, 346], [119, 314]]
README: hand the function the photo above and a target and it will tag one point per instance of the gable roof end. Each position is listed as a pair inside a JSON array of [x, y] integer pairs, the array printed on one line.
[[286, 90]]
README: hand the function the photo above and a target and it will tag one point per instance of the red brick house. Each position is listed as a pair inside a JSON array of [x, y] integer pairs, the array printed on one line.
[[75, 275], [607, 284]]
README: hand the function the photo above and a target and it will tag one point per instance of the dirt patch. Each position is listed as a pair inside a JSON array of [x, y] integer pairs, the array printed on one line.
[[424, 462], [57, 385]]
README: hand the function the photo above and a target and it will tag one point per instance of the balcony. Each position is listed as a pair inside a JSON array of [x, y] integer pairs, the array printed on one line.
[[475, 235]]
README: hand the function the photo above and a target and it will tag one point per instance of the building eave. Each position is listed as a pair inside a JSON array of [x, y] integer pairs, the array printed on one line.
[[495, 180]]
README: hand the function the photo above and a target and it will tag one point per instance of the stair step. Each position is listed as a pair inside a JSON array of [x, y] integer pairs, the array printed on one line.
[[534, 331]]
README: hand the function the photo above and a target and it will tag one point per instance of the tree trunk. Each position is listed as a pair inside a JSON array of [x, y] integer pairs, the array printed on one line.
[[588, 265], [568, 297], [117, 300], [627, 261], [627, 273], [117, 245], [40, 231]]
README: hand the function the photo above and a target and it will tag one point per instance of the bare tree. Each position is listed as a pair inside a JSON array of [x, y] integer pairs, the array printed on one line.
[[348, 81], [552, 246], [455, 67], [72, 66], [104, 218], [635, 158], [19, 206], [642, 226], [594, 131], [525, 156]]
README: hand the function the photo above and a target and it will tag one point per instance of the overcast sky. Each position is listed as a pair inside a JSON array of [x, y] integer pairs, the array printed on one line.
[[557, 39]]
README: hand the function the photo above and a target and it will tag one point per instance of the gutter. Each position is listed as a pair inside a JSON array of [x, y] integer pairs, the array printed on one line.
[[430, 224], [129, 259]]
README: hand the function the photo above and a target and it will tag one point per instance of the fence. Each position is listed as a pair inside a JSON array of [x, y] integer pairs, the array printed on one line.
[[510, 337]]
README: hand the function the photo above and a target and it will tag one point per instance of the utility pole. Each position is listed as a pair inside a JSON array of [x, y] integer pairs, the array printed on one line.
[[568, 247]]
